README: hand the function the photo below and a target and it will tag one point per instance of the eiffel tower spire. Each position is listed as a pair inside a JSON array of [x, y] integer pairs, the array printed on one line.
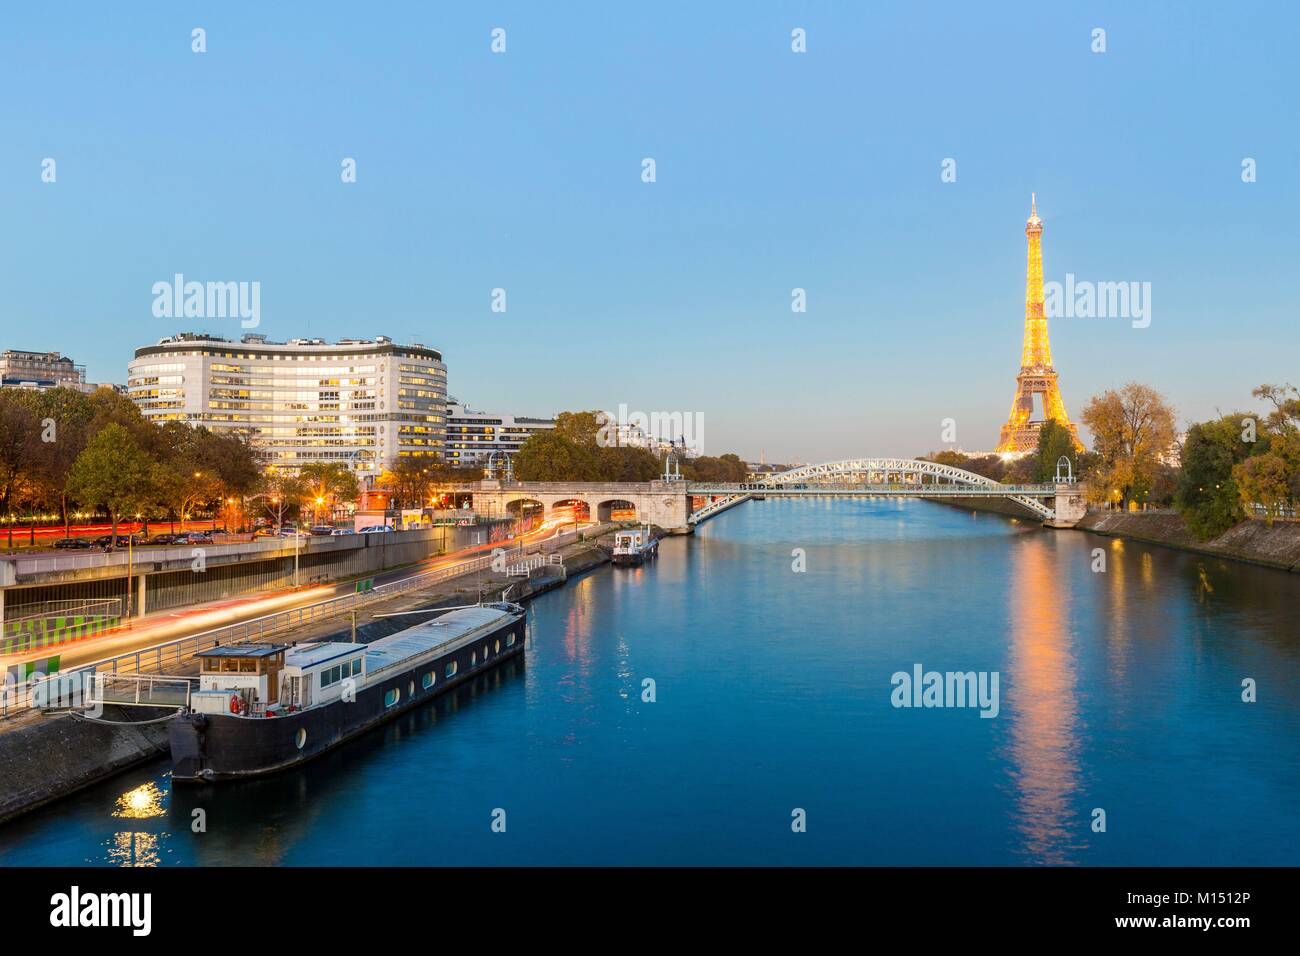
[[1037, 375]]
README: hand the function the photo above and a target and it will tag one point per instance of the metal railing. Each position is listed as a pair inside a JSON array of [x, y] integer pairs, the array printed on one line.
[[910, 488], [179, 652]]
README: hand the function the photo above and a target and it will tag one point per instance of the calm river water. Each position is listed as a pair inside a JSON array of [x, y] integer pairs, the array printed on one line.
[[1118, 690]]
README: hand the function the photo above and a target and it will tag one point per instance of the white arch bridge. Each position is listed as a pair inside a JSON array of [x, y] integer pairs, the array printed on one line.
[[1058, 503], [680, 505]]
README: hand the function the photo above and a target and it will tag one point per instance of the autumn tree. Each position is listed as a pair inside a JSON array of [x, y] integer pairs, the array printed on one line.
[[20, 442], [410, 481], [1133, 430], [327, 485]]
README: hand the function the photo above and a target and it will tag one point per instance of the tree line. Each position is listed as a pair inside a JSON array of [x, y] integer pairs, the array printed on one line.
[[575, 450], [1220, 473], [66, 451]]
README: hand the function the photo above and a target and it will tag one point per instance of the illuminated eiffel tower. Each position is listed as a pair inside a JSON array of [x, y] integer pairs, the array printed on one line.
[[1037, 376]]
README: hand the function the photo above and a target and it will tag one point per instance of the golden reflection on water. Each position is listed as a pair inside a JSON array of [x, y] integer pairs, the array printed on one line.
[[1044, 734], [133, 849], [143, 802]]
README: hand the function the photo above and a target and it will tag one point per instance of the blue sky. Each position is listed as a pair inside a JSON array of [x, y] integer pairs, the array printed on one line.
[[775, 170]]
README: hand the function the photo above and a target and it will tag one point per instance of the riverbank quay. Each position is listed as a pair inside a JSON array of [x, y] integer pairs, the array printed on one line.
[[1253, 541], [46, 757]]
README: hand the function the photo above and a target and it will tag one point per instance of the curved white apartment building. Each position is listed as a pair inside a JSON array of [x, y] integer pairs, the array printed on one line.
[[362, 403]]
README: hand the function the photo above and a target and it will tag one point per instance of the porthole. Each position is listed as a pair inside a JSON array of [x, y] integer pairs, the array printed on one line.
[[428, 680], [392, 697], [485, 652], [410, 688], [497, 648], [473, 658], [449, 670], [300, 738], [510, 639]]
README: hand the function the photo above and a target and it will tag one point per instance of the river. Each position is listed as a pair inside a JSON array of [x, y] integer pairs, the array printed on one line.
[[1119, 690]]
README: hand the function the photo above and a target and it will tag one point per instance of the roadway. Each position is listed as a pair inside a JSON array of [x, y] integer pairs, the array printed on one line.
[[171, 625]]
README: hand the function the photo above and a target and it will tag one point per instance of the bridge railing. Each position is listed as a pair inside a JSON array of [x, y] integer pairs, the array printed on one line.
[[866, 487]]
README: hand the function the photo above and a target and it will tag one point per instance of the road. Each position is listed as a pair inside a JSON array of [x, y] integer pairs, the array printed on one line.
[[171, 625]]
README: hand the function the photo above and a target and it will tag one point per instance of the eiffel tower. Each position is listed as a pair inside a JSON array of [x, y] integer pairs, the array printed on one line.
[[1037, 376]]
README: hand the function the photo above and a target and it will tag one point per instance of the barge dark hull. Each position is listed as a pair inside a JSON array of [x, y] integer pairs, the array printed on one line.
[[212, 747], [637, 559]]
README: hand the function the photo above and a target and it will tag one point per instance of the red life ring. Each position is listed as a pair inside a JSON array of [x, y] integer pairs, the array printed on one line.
[[234, 703]]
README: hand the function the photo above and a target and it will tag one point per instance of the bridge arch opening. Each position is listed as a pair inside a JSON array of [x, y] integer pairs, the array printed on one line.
[[528, 512], [571, 509], [616, 509]]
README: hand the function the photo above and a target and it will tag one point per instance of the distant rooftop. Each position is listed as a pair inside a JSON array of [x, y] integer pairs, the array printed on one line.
[[256, 341]]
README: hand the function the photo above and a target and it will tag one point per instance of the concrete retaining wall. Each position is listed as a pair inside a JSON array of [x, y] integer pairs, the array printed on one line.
[[1252, 541], [50, 757]]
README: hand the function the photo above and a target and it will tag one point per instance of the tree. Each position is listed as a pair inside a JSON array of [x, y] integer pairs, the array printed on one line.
[[20, 441], [280, 492], [69, 414], [1133, 430], [588, 429], [410, 482], [1208, 497], [113, 473], [628, 463], [1054, 443], [1263, 479], [327, 485], [552, 456], [723, 468]]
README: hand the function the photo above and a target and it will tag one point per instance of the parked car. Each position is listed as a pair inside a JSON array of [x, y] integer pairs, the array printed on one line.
[[123, 541], [163, 539], [377, 529], [194, 537], [267, 532], [338, 531], [322, 529], [74, 543]]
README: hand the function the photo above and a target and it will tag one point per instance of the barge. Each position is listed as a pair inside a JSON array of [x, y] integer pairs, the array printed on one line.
[[635, 547], [266, 707]]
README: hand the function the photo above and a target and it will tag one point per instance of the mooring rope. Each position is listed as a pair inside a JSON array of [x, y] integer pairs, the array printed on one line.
[[123, 723]]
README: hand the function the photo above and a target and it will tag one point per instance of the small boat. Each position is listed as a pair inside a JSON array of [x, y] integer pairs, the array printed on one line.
[[635, 546], [265, 707]]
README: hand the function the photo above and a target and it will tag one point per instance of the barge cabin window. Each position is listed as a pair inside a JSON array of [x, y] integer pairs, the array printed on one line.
[[450, 670], [332, 675], [428, 680], [392, 697]]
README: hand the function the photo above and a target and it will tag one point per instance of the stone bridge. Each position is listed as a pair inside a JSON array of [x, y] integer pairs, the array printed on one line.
[[678, 505]]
